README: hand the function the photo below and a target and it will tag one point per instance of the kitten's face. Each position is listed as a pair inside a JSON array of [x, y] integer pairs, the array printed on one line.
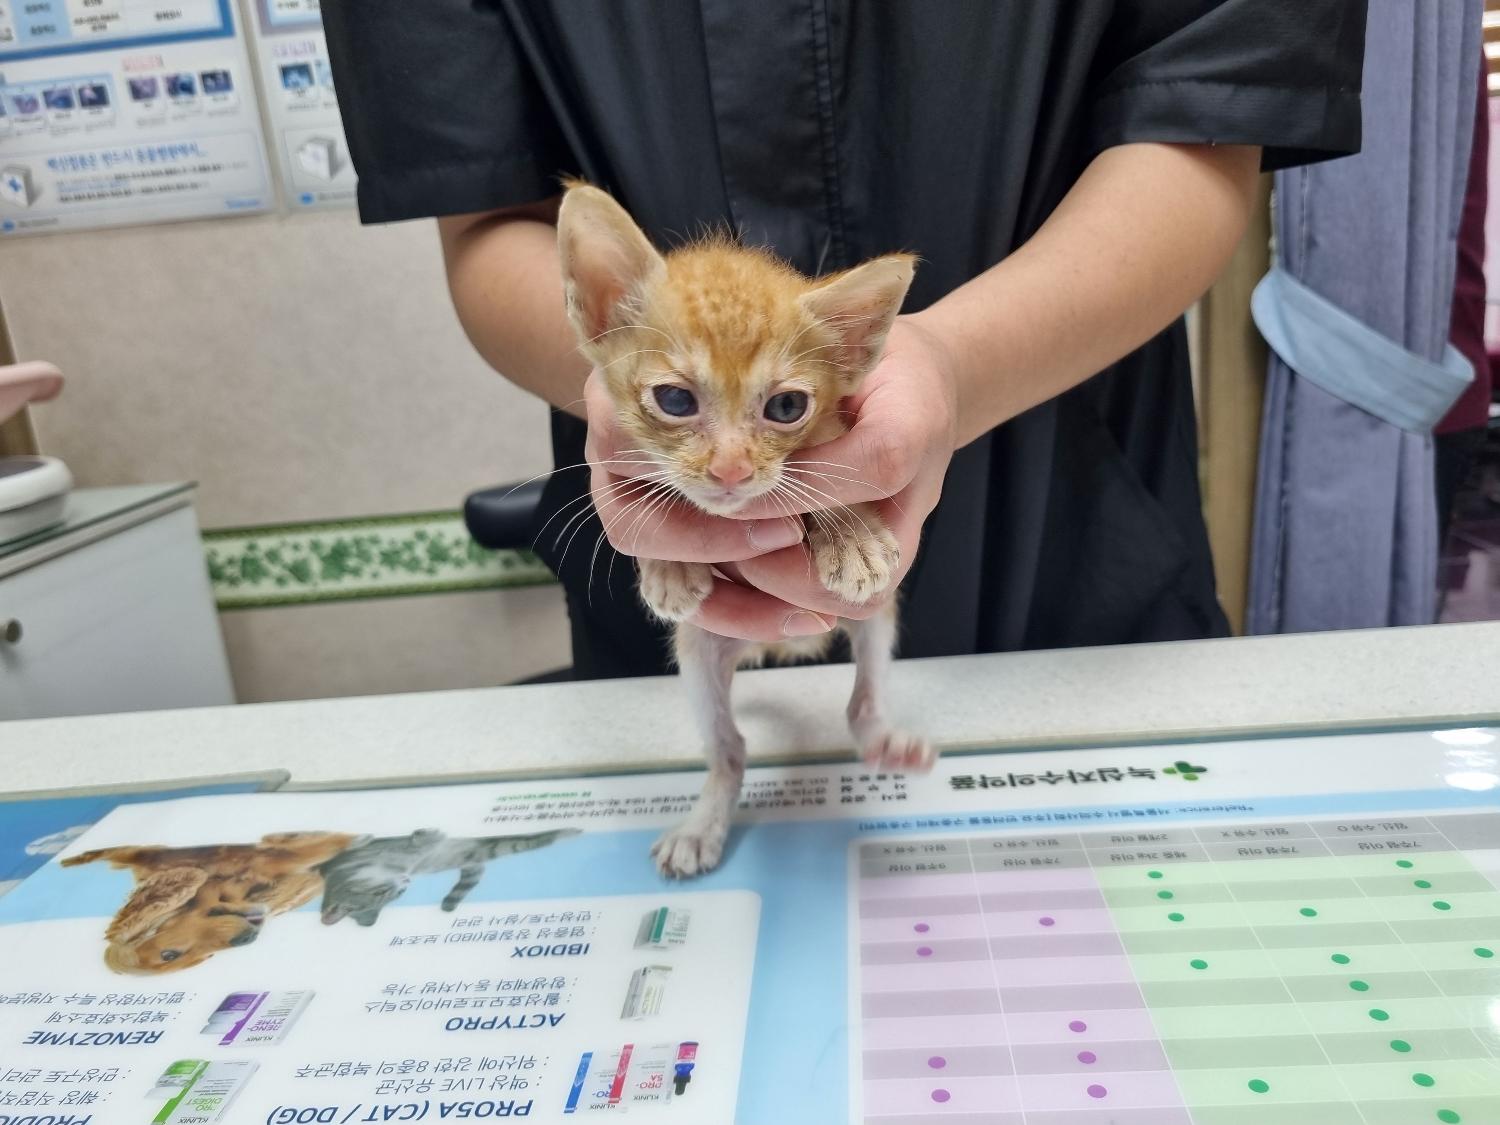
[[721, 361]]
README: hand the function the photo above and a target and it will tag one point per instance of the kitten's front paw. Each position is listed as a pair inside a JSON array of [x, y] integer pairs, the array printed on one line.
[[674, 590], [690, 849], [899, 751], [856, 565]]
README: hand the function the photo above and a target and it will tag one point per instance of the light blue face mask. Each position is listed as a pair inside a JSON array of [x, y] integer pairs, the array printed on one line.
[[1338, 352]]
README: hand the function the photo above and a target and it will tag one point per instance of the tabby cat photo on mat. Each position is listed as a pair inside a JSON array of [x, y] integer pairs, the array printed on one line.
[[723, 363]]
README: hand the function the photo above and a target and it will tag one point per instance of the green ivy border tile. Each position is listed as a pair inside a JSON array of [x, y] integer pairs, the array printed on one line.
[[370, 557]]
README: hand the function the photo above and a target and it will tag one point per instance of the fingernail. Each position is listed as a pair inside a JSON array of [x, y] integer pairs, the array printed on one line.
[[804, 624], [772, 535]]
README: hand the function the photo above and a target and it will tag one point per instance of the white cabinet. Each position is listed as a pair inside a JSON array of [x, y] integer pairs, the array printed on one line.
[[111, 612]]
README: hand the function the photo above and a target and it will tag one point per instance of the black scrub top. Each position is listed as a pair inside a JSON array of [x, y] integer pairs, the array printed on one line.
[[834, 130]]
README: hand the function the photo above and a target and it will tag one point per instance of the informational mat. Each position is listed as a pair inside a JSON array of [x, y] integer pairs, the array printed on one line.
[[125, 111], [1297, 932], [307, 132]]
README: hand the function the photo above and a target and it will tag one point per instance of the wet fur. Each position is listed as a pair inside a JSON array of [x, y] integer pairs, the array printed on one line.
[[736, 326]]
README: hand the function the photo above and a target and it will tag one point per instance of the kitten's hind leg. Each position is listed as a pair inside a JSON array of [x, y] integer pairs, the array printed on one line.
[[873, 643], [707, 662]]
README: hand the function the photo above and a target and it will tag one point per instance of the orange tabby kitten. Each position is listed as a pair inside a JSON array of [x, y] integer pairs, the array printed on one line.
[[723, 362]]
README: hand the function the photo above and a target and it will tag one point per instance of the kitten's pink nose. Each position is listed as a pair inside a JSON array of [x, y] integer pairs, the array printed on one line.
[[730, 470]]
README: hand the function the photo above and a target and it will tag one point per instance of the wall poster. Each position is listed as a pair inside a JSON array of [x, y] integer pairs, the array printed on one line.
[[115, 112]]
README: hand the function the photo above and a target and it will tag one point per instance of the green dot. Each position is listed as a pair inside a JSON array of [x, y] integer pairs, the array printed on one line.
[[1379, 1014], [1423, 883], [1174, 917], [1153, 874], [1400, 1045], [1441, 905], [1259, 1085], [1448, 1117], [1164, 894], [1359, 986], [1423, 1079], [1308, 912], [1481, 951], [1340, 958], [1404, 863], [1198, 964]]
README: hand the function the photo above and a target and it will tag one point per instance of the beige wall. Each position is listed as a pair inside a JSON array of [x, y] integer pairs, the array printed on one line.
[[299, 368]]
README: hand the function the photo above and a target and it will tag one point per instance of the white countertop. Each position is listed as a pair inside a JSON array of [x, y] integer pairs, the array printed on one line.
[[1443, 675]]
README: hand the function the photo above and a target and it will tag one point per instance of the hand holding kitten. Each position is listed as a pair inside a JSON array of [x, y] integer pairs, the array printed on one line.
[[895, 455]]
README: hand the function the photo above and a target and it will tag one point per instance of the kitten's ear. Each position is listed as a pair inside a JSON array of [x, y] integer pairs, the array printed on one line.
[[859, 306], [605, 260]]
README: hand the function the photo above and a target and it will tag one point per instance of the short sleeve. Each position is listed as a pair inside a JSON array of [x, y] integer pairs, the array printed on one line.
[[1282, 74], [441, 109]]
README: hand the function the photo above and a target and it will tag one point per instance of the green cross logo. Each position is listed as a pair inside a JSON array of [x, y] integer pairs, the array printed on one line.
[[1186, 771]]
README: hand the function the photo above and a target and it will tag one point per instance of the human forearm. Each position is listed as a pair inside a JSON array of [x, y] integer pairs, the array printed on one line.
[[506, 285], [1141, 235]]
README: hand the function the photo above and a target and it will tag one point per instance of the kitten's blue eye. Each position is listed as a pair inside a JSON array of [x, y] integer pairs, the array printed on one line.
[[678, 402], [786, 407]]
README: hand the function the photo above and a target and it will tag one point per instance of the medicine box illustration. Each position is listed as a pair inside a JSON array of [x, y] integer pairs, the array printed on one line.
[[319, 157], [17, 187]]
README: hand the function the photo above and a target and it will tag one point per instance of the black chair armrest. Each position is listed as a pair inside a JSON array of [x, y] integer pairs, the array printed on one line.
[[504, 517]]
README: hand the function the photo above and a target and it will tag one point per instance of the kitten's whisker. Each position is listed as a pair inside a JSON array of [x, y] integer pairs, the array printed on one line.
[[820, 322], [607, 491], [833, 510], [784, 504], [850, 480], [584, 500], [661, 508], [540, 476], [573, 523], [806, 328], [821, 476], [579, 518], [610, 573], [819, 348], [632, 355], [806, 494], [625, 327], [832, 464], [653, 501], [581, 465], [630, 536], [604, 534]]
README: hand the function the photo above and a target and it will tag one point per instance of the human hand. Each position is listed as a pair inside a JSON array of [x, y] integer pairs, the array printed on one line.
[[894, 457]]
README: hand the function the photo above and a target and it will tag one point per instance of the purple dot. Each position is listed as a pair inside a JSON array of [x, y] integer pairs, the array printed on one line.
[[1087, 1057], [1047, 921], [921, 927], [1097, 1091], [924, 951], [937, 1062], [1078, 1025], [941, 1095]]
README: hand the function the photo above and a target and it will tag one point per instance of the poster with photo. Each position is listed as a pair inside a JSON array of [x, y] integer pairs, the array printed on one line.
[[1296, 931], [114, 112], [307, 132]]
